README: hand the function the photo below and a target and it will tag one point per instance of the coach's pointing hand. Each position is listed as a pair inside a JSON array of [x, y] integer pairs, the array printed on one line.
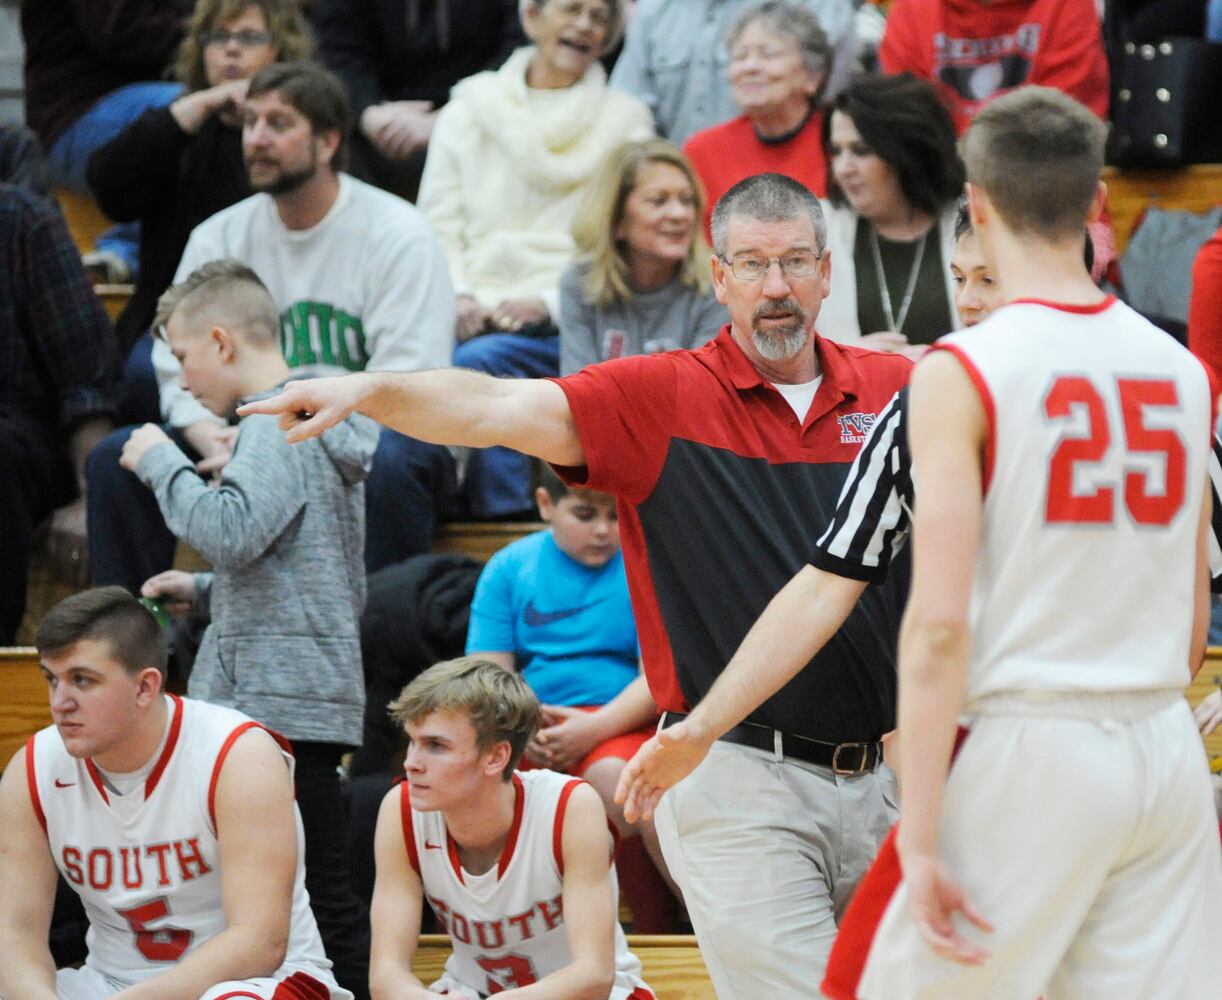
[[308, 408]]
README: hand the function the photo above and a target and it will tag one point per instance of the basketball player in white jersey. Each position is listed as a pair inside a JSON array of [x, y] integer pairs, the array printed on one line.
[[172, 819], [1059, 603], [516, 867]]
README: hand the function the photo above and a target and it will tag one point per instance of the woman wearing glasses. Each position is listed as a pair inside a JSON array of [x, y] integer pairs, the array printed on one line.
[[175, 166], [894, 181], [508, 161]]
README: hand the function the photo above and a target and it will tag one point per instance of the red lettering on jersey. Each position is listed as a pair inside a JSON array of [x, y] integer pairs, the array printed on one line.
[[442, 911], [189, 853], [522, 920], [96, 881], [553, 912], [72, 865], [460, 930], [131, 881], [159, 851], [498, 941]]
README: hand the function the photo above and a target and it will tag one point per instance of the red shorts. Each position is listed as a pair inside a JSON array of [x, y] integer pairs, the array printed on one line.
[[622, 747]]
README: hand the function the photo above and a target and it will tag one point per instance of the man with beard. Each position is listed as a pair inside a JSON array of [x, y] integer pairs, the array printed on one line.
[[360, 281], [726, 462]]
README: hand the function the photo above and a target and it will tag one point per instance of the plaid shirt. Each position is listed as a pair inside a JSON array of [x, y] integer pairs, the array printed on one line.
[[58, 358]]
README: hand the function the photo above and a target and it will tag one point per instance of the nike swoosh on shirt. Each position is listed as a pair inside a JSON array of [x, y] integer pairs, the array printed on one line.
[[431, 847], [64, 784], [533, 616]]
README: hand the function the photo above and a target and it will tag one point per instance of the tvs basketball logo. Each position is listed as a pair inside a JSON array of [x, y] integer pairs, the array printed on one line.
[[855, 426]]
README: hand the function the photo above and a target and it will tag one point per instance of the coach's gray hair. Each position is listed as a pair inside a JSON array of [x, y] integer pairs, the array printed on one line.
[[767, 198]]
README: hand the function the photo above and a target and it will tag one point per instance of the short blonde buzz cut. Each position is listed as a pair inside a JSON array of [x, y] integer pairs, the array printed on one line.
[[1038, 155], [499, 704], [224, 293]]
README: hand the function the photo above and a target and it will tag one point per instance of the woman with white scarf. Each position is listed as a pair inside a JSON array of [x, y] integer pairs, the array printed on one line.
[[508, 162]]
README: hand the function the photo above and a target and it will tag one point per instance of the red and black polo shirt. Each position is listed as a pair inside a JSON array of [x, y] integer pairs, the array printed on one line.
[[722, 496]]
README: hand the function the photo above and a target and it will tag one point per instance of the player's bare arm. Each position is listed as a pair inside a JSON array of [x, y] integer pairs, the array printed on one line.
[[257, 834], [398, 899], [589, 911], [947, 436], [27, 892], [797, 623], [444, 406], [1201, 586]]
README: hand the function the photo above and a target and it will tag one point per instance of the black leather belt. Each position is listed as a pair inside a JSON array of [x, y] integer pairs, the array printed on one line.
[[842, 758]]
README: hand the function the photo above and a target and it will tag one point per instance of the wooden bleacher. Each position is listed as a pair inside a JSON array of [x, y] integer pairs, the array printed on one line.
[[672, 964], [1130, 192]]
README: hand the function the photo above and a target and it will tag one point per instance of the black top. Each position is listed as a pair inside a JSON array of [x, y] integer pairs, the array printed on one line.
[[170, 181], [77, 51], [393, 50], [929, 315]]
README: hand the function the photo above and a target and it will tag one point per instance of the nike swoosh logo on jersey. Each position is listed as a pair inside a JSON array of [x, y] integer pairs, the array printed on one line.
[[533, 616], [64, 784], [431, 847]]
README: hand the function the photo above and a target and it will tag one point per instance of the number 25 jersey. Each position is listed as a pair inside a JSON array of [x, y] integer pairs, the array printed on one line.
[[1099, 427]]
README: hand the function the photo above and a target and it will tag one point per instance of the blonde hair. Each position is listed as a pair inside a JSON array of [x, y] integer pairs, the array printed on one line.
[[291, 35], [498, 702], [602, 211], [228, 290]]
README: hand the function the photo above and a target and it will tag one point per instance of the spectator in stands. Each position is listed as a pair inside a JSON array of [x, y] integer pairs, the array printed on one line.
[[177, 165], [282, 521], [895, 180], [360, 281], [1205, 307], [90, 70], [57, 370], [675, 60], [779, 59], [399, 59], [640, 280], [21, 160], [554, 607], [508, 161], [975, 51]]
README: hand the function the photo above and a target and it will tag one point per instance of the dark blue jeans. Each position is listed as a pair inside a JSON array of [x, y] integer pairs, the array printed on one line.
[[498, 479], [409, 485]]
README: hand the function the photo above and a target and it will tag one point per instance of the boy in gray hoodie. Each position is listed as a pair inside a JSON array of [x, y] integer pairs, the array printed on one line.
[[285, 533]]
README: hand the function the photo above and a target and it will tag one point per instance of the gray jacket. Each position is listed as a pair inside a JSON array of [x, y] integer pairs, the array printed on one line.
[[285, 533]]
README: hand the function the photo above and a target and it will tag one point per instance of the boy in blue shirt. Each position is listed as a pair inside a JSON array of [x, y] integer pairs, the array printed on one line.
[[554, 607]]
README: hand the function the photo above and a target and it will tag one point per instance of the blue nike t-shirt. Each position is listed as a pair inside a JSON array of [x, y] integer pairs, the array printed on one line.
[[568, 626]]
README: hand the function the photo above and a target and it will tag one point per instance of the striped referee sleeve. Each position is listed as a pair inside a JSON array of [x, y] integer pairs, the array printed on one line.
[[874, 513], [1215, 534]]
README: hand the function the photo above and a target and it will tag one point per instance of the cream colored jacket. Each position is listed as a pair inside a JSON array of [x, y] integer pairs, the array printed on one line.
[[506, 168]]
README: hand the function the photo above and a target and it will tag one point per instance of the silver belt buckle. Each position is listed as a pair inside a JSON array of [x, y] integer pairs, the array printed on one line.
[[861, 748]]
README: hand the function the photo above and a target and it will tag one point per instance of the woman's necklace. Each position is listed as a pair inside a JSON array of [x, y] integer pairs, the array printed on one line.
[[896, 323]]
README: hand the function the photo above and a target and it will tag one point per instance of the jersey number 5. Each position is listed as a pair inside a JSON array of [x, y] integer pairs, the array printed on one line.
[[507, 972], [166, 944], [1137, 397]]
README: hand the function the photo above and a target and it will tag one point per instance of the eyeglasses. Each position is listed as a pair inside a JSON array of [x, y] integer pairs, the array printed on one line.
[[247, 38], [795, 264]]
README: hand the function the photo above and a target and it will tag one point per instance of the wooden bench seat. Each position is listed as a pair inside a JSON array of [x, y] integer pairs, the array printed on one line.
[[672, 964], [1129, 192]]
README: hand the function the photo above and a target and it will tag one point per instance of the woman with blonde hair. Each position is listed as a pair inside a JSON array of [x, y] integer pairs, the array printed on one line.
[[639, 282], [175, 166]]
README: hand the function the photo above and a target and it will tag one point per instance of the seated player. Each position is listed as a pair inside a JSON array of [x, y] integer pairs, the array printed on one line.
[[171, 818], [554, 606], [515, 866]]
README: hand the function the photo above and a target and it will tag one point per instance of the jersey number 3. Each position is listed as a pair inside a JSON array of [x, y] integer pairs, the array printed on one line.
[[1137, 397], [507, 972]]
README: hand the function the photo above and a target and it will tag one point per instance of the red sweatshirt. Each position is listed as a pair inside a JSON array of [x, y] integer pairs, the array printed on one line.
[[975, 50], [1205, 307], [726, 154]]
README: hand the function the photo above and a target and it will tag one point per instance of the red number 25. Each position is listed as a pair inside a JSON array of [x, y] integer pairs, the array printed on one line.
[[1137, 396]]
